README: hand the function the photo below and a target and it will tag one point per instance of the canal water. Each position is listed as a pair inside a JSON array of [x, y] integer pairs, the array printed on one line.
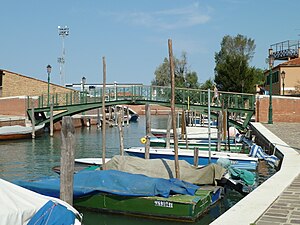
[[29, 159]]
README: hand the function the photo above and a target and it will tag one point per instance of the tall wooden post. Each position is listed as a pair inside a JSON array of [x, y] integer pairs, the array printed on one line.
[[127, 113], [177, 172], [51, 120], [32, 119], [209, 131], [183, 126], [98, 118], [220, 127], [168, 135], [148, 131], [67, 160], [121, 135], [103, 115], [122, 115], [109, 113], [196, 157]]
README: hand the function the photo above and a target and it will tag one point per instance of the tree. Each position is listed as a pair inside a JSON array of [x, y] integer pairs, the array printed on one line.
[[232, 71], [183, 76], [207, 84]]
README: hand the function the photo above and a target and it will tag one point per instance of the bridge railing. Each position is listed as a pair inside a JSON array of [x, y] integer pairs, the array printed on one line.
[[148, 93]]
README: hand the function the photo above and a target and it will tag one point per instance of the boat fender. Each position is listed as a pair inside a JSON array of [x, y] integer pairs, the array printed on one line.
[[143, 140]]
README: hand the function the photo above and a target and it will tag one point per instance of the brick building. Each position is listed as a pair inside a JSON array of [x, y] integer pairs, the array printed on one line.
[[16, 88], [13, 84]]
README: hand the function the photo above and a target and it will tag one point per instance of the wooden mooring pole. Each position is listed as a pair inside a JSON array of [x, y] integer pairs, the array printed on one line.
[[121, 134], [148, 131], [177, 172], [67, 160], [103, 115], [168, 135], [32, 119], [51, 120]]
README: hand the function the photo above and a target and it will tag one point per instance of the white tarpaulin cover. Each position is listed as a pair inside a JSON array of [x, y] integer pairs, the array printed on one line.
[[18, 205], [164, 168], [6, 130]]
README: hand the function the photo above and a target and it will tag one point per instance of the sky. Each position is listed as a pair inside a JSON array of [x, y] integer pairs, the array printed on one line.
[[133, 35]]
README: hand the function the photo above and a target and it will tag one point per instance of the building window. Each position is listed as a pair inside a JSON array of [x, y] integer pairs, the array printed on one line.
[[275, 78]]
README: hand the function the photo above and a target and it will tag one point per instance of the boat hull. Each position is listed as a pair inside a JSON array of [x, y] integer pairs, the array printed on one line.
[[176, 207], [238, 147], [19, 132]]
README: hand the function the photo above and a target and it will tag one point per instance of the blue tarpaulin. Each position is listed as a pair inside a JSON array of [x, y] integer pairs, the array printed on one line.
[[53, 214], [114, 182]]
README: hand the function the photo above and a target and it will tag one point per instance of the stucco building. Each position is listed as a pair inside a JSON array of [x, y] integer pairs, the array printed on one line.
[[286, 75]]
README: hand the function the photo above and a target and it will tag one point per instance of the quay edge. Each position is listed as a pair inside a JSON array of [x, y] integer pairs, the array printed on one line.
[[255, 204]]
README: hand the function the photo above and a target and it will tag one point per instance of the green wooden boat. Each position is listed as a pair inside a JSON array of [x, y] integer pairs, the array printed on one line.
[[175, 207]]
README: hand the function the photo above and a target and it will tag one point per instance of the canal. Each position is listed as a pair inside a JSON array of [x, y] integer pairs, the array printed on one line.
[[29, 159]]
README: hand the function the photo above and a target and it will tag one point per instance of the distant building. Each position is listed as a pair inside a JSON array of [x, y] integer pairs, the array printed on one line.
[[285, 76], [13, 84]]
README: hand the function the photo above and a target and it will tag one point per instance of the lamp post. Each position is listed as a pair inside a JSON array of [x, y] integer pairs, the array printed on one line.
[[48, 72], [283, 77], [271, 63], [83, 81]]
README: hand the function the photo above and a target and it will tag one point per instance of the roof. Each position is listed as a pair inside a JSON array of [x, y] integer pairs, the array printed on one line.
[[7, 71], [292, 62]]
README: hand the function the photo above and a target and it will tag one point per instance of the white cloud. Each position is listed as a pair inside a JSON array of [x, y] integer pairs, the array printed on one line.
[[175, 18]]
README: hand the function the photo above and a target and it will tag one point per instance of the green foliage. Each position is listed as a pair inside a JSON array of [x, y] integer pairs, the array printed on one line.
[[183, 76], [207, 84], [232, 71]]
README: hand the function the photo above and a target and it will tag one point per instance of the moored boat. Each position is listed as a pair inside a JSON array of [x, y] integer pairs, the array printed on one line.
[[192, 132], [238, 160], [18, 132], [21, 206], [201, 145], [133, 194]]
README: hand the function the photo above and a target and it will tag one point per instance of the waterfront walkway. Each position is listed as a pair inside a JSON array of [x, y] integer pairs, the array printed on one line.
[[277, 200], [286, 208]]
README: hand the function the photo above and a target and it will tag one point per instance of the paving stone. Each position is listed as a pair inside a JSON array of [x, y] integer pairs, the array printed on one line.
[[266, 223], [274, 219], [279, 211]]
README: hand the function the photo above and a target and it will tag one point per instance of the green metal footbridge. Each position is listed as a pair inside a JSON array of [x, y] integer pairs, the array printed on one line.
[[76, 102]]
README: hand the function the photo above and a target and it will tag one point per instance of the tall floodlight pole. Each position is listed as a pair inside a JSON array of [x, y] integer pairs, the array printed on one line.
[[63, 32], [271, 63]]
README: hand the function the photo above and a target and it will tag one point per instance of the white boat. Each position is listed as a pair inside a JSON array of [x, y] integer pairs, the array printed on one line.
[[238, 160], [192, 132], [91, 161], [18, 132], [20, 206]]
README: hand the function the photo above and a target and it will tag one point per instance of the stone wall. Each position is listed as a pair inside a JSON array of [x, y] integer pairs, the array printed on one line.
[[285, 109]]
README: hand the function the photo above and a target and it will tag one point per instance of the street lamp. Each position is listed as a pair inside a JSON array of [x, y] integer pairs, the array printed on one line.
[[83, 81], [271, 63], [48, 72], [283, 77]]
